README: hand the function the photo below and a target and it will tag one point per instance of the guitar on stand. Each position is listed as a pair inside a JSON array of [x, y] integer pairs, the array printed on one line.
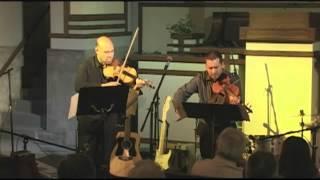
[[163, 158], [126, 151]]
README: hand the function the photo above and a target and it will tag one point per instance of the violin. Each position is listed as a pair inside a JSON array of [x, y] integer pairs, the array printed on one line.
[[128, 75], [229, 90]]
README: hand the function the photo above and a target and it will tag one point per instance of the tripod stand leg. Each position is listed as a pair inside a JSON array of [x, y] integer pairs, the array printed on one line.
[[314, 146]]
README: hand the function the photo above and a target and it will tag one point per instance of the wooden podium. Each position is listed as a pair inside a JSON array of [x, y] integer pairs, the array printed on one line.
[[293, 27]]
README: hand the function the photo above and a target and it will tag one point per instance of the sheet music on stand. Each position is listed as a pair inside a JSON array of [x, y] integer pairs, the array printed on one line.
[[98, 100], [216, 112], [73, 106]]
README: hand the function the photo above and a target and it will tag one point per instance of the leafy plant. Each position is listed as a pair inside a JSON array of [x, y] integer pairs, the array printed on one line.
[[183, 26]]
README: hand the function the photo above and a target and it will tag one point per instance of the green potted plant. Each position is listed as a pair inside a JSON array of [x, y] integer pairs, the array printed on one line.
[[182, 36], [182, 27]]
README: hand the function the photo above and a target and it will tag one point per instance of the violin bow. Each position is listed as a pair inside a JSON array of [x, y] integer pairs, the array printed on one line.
[[127, 55]]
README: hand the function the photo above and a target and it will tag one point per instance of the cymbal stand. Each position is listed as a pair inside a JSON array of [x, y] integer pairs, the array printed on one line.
[[302, 123]]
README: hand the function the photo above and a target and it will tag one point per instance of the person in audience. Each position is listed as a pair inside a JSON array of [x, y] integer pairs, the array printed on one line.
[[229, 150], [295, 159], [7, 168], [261, 164], [146, 169], [77, 166]]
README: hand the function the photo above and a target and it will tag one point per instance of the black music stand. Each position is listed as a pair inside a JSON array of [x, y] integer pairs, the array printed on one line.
[[102, 100], [214, 114]]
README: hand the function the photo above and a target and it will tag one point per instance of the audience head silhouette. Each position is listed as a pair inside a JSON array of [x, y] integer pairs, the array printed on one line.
[[261, 165], [146, 169], [7, 168], [295, 159], [230, 147], [77, 166], [231, 144]]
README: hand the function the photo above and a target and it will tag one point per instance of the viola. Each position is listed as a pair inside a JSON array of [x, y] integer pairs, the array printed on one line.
[[227, 89]]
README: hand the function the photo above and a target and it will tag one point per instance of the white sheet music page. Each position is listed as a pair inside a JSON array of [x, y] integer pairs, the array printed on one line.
[[73, 106]]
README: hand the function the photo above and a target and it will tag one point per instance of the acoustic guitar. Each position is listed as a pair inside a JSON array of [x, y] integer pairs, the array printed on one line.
[[126, 151], [163, 158]]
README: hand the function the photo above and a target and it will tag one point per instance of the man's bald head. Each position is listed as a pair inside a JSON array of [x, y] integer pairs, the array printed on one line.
[[104, 50]]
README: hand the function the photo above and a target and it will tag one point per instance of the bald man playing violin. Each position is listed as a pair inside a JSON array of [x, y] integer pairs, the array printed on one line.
[[215, 86], [90, 73], [96, 134]]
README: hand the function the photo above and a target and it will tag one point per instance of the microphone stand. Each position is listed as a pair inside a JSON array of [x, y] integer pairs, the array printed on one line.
[[10, 105], [268, 89], [27, 138], [270, 101], [154, 108]]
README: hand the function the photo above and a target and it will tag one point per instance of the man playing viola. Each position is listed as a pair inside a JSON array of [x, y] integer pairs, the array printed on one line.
[[214, 85], [96, 134]]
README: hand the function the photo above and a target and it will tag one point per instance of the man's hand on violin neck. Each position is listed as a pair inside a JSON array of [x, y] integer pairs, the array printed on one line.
[[112, 83], [139, 84]]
